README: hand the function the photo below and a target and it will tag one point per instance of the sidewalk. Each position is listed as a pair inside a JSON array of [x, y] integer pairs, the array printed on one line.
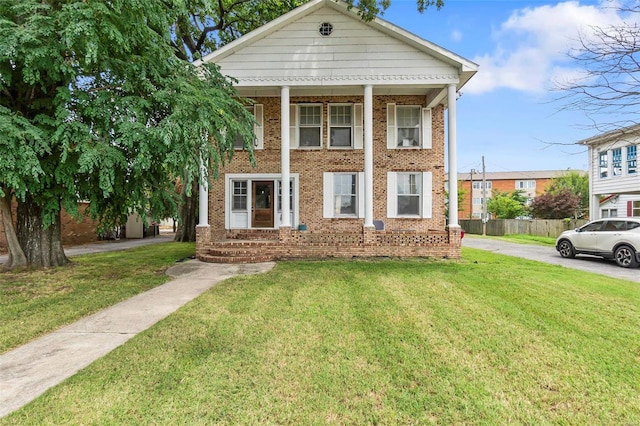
[[28, 371]]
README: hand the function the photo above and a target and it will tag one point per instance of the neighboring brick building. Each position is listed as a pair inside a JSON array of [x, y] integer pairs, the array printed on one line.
[[351, 124], [531, 182], [72, 231]]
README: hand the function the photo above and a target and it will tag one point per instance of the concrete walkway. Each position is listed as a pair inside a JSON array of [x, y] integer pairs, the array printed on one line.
[[28, 371]]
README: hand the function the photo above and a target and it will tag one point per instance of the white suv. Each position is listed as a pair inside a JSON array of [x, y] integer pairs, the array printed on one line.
[[613, 238]]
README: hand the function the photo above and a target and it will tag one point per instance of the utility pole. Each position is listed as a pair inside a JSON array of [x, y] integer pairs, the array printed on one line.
[[484, 199], [471, 194]]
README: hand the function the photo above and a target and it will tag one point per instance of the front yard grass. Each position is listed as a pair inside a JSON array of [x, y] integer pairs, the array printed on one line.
[[33, 303], [489, 339]]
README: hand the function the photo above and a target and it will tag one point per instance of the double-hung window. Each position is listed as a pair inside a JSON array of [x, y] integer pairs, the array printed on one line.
[[408, 126], [310, 126], [603, 163], [341, 126], [632, 159], [343, 195], [616, 161], [409, 194]]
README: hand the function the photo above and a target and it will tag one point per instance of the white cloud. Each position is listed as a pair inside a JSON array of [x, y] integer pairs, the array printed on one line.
[[531, 46], [456, 35]]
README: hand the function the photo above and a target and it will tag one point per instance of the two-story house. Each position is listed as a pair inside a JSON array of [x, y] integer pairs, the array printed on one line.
[[350, 142], [614, 177]]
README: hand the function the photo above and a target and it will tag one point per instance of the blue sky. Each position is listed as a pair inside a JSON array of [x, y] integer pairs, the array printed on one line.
[[507, 111]]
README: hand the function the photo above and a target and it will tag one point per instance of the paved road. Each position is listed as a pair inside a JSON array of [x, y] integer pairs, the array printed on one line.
[[550, 255]]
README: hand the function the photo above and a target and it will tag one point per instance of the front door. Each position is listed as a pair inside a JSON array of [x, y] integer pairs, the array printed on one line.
[[262, 204]]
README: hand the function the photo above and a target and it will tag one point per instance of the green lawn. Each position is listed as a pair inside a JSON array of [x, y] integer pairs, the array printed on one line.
[[488, 339], [33, 303]]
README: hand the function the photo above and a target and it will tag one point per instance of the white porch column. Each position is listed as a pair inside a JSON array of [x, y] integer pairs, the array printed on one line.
[[368, 156], [453, 160], [203, 195], [284, 156]]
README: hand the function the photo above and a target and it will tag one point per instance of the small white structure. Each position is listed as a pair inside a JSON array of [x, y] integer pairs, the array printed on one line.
[[614, 177]]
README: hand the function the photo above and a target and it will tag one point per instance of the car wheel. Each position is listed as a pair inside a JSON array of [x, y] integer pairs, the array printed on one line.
[[626, 257], [566, 249]]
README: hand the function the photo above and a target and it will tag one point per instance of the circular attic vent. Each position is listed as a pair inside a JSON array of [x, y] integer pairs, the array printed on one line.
[[325, 29]]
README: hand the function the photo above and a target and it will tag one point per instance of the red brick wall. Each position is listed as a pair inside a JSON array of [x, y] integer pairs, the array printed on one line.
[[73, 232], [311, 164]]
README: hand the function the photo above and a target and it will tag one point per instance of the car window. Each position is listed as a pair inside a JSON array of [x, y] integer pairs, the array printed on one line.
[[590, 227], [615, 225], [633, 225]]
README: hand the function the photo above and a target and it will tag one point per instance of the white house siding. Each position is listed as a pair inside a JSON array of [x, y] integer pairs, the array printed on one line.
[[353, 51], [622, 184]]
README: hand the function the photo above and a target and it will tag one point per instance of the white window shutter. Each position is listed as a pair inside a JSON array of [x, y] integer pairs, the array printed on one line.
[[392, 199], [258, 128], [360, 194], [293, 126], [427, 195], [391, 127], [358, 130], [327, 195], [426, 128]]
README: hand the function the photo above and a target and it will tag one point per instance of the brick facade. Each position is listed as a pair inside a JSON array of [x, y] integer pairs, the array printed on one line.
[[336, 237]]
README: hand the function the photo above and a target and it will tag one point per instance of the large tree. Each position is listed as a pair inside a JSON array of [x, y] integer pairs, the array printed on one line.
[[96, 106], [607, 86], [555, 205], [205, 25], [578, 185], [507, 205]]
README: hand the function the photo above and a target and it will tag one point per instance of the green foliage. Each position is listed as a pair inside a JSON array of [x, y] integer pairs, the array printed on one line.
[[577, 183], [508, 205], [96, 105], [369, 9], [560, 204]]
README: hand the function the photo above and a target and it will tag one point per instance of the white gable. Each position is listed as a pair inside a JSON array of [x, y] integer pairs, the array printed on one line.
[[291, 51]]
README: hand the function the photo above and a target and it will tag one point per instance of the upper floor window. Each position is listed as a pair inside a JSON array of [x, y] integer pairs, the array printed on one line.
[[525, 184], [632, 159], [478, 185], [239, 142], [616, 161], [603, 163], [341, 126], [310, 125], [408, 125]]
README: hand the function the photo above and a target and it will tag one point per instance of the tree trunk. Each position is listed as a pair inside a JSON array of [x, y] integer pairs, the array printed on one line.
[[42, 246], [188, 215], [17, 258]]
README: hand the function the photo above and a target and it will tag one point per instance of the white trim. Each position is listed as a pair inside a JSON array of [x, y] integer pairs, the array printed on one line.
[[327, 195], [427, 195], [392, 134], [392, 198], [250, 177], [358, 130], [293, 126], [258, 127], [360, 194], [426, 136]]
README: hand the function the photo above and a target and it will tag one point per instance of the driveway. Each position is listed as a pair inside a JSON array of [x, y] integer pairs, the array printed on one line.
[[550, 255]]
